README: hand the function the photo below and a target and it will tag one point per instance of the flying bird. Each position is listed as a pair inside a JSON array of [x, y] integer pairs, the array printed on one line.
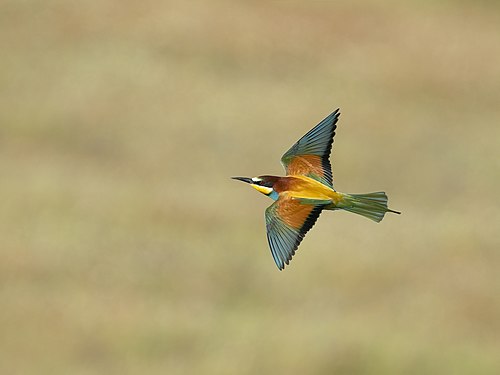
[[307, 190]]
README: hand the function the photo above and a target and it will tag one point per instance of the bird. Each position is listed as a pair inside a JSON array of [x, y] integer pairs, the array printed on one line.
[[307, 190]]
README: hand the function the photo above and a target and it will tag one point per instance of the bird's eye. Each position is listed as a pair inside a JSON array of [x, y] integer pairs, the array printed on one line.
[[256, 180]]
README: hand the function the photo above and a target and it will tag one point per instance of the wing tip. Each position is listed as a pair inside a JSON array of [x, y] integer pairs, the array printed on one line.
[[283, 264]]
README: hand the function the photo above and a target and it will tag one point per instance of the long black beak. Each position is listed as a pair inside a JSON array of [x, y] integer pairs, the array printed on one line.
[[244, 179]]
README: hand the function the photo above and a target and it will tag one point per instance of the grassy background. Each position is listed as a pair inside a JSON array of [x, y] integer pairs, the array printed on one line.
[[125, 248]]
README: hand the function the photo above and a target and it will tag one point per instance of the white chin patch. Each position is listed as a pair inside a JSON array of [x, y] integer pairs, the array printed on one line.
[[263, 189]]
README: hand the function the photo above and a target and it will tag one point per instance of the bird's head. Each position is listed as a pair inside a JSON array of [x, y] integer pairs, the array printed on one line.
[[264, 184]]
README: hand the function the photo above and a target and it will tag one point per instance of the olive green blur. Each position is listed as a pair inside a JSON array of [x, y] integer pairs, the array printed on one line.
[[125, 247]]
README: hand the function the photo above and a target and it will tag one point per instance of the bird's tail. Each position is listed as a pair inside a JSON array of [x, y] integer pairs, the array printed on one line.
[[371, 205]]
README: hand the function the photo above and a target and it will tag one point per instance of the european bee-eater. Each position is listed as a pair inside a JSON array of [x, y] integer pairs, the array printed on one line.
[[306, 190]]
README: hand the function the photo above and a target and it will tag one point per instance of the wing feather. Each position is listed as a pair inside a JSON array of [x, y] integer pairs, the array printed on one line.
[[287, 222], [310, 155]]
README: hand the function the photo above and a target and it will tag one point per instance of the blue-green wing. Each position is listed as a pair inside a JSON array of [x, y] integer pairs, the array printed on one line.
[[287, 222], [310, 156]]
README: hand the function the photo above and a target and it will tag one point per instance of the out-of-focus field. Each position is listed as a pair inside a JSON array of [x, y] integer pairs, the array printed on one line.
[[126, 249]]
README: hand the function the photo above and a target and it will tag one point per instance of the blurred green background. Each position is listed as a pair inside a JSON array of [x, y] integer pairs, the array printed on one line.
[[125, 248]]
